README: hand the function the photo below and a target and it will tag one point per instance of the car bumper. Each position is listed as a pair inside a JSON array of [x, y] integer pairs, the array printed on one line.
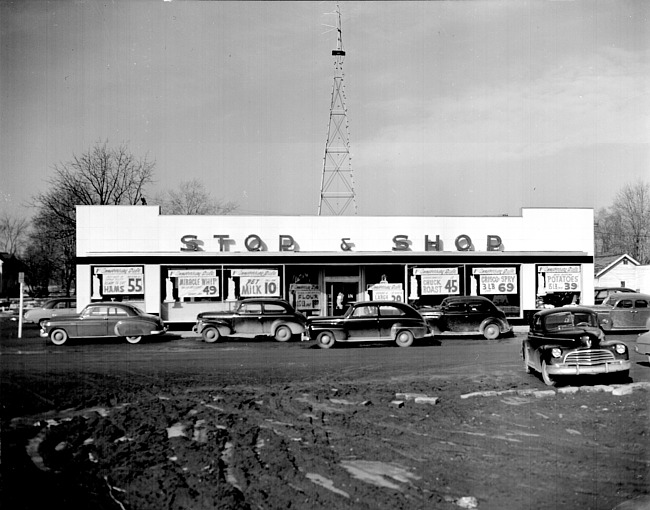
[[603, 368], [42, 333], [161, 331]]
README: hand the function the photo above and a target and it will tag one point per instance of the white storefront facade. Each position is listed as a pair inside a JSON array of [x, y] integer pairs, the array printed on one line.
[[178, 266]]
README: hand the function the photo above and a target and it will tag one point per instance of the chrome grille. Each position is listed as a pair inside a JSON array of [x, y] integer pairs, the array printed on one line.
[[589, 357]]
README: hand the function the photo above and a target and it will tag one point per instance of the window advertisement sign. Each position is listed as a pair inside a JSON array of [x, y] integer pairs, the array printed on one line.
[[307, 296], [122, 280], [387, 292], [496, 280], [559, 279], [250, 286], [438, 280], [196, 282]]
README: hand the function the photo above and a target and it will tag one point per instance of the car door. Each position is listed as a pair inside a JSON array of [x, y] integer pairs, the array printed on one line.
[[389, 315], [115, 315], [271, 313], [455, 317], [477, 312], [93, 321], [248, 320], [623, 314], [363, 323], [641, 313]]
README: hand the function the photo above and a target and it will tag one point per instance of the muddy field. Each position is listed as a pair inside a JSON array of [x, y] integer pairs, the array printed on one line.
[[371, 444]]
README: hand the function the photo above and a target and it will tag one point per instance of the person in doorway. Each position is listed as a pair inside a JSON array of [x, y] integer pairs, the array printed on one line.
[[339, 309]]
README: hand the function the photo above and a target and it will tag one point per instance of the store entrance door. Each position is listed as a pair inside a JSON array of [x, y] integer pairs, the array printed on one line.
[[340, 293]]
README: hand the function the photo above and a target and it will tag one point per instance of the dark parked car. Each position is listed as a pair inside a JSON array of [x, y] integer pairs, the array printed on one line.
[[104, 320], [627, 311], [53, 307], [567, 341], [252, 317], [367, 321], [462, 315], [600, 293]]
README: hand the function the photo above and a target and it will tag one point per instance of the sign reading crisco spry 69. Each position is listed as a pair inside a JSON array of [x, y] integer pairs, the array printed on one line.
[[561, 278], [438, 280], [121, 280], [496, 280]]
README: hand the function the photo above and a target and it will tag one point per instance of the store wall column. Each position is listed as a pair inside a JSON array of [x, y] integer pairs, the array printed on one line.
[[83, 286], [153, 296]]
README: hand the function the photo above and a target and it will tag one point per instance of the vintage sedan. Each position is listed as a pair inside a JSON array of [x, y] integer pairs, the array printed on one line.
[[52, 307], [252, 317], [368, 321], [567, 341], [629, 311], [104, 320], [467, 315]]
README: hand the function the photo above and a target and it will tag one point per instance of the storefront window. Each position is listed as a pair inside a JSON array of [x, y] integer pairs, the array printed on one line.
[[558, 286], [385, 283], [428, 286], [192, 284], [304, 294], [500, 284], [118, 283]]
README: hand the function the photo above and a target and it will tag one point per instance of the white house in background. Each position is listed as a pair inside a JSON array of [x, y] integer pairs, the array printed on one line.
[[622, 271]]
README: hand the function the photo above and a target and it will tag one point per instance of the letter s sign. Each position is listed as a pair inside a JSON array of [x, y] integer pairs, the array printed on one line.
[[192, 243]]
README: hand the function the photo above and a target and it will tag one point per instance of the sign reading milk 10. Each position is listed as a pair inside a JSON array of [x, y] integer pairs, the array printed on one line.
[[196, 282], [496, 280], [438, 280], [258, 282]]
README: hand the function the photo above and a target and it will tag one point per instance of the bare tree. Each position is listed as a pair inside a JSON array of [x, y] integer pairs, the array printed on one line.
[[625, 226], [13, 234], [100, 176], [191, 198]]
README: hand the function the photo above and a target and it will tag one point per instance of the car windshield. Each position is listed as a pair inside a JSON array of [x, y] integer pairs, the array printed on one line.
[[569, 320]]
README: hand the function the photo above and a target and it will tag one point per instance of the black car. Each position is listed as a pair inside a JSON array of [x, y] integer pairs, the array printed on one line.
[[463, 315], [568, 341], [370, 321], [250, 318]]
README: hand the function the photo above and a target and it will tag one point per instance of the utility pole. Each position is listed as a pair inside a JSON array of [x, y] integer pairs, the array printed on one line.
[[337, 184]]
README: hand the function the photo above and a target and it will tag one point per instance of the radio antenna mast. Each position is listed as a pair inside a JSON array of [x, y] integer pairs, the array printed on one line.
[[337, 183]]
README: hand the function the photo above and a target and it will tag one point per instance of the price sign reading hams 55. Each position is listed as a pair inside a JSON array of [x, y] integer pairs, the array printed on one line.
[[438, 280], [562, 278], [121, 280], [196, 282], [496, 280]]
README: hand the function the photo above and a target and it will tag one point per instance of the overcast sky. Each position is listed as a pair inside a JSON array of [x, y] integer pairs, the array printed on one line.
[[455, 108]]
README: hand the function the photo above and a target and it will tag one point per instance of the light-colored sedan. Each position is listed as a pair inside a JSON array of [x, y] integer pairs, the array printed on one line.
[[53, 307], [628, 311]]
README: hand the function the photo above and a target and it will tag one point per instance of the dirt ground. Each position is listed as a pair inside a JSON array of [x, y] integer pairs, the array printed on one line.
[[364, 445]]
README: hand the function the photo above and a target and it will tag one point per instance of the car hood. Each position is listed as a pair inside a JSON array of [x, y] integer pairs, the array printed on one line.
[[215, 315], [574, 335], [323, 318]]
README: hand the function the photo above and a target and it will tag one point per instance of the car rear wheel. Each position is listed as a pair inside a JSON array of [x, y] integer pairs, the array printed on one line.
[[491, 331], [326, 340], [210, 334], [404, 338], [283, 334], [133, 339], [548, 380], [58, 336]]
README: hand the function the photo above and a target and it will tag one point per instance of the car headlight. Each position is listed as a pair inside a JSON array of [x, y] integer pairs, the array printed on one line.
[[621, 348], [556, 352]]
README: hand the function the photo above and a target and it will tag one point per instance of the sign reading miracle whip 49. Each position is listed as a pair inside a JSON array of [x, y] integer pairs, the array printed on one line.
[[196, 282]]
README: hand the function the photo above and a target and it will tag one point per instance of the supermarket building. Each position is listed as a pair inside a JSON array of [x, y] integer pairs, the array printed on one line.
[[178, 266]]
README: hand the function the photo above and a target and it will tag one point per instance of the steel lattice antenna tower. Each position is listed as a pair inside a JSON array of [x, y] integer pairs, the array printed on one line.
[[337, 184]]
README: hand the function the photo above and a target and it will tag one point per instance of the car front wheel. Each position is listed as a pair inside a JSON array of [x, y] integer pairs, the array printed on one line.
[[283, 334], [548, 380], [210, 334], [133, 339], [58, 336], [326, 340], [491, 331], [404, 338]]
